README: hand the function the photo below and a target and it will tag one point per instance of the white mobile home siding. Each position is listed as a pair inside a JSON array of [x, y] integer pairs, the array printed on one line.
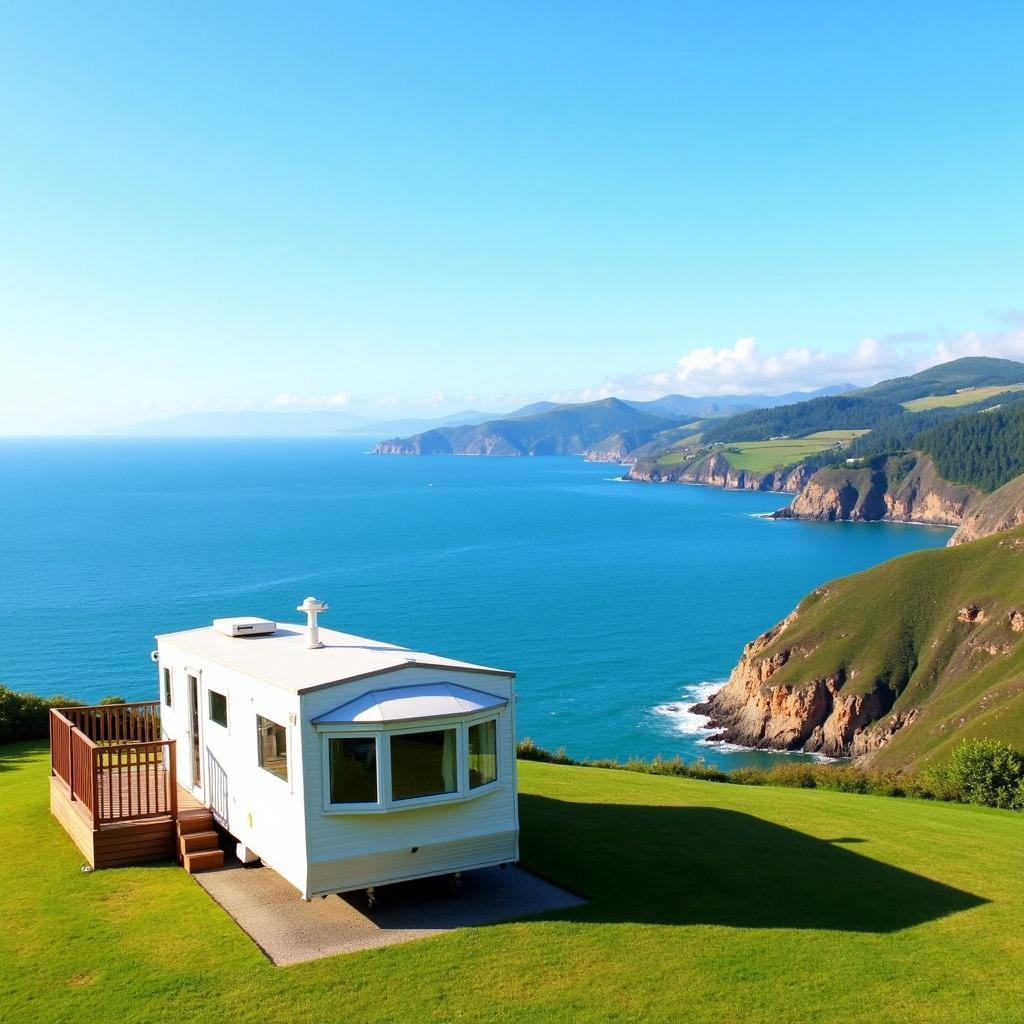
[[353, 850], [263, 811]]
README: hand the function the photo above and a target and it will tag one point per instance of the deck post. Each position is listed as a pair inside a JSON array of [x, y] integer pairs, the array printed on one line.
[[71, 764], [172, 780], [95, 788]]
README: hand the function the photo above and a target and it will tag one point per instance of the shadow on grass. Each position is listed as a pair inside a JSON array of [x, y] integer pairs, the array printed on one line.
[[700, 865], [17, 755]]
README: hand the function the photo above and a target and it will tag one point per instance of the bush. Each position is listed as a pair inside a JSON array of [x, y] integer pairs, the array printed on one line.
[[527, 750], [981, 772], [24, 716]]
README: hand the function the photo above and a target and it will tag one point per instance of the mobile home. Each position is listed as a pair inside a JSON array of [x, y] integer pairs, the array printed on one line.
[[342, 762]]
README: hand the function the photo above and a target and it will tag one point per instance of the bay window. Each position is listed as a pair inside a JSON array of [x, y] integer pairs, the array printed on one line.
[[391, 768]]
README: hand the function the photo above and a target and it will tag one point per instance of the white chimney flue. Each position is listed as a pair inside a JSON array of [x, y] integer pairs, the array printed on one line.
[[312, 607]]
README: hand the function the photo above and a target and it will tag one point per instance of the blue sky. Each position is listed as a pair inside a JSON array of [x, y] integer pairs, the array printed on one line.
[[397, 208]]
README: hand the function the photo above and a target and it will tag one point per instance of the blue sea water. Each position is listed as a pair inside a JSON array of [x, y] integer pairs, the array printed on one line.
[[616, 603]]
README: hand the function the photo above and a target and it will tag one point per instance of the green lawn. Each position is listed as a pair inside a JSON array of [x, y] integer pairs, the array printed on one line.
[[761, 456], [708, 903], [966, 397]]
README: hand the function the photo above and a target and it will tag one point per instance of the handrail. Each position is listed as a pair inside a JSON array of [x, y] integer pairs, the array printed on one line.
[[117, 723], [117, 779]]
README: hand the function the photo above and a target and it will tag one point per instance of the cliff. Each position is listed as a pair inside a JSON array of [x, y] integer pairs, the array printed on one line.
[[893, 664], [1001, 510], [898, 489], [714, 470]]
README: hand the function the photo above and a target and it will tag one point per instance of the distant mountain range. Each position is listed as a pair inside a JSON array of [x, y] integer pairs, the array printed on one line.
[[574, 429], [322, 423]]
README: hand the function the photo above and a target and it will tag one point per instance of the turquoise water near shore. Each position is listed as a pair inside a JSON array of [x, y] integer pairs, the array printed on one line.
[[617, 603]]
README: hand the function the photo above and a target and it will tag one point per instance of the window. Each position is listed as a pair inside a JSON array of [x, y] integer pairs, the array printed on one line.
[[483, 753], [423, 764], [272, 746], [353, 770], [166, 673], [218, 708]]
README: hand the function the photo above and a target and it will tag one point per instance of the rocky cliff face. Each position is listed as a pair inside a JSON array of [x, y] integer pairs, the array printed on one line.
[[715, 471], [816, 717], [1001, 510], [895, 489]]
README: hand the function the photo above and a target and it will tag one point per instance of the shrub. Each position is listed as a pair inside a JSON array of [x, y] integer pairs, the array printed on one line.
[[527, 750], [24, 716], [981, 772]]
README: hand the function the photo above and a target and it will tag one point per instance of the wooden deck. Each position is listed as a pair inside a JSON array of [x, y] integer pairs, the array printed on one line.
[[112, 784]]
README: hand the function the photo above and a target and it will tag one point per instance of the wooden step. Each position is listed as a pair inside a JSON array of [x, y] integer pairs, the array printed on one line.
[[203, 860], [194, 821], [191, 842]]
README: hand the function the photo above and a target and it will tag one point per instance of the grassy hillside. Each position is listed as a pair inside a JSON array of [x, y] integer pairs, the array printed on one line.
[[897, 630], [889, 416], [708, 904], [948, 378], [968, 396], [762, 456]]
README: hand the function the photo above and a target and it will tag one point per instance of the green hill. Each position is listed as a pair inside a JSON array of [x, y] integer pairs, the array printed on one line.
[[835, 412], [897, 664], [564, 430], [948, 378]]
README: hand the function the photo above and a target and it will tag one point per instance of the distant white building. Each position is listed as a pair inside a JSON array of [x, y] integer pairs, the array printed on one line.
[[344, 763]]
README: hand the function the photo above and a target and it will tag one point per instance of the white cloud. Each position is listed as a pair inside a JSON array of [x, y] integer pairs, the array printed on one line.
[[743, 368]]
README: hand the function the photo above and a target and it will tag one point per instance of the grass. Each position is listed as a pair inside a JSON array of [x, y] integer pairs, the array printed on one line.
[[762, 456], [966, 397], [708, 903]]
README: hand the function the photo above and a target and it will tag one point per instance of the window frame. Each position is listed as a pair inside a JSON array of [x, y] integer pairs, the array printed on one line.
[[210, 692], [286, 778], [167, 681], [485, 787], [381, 735], [432, 798], [325, 758]]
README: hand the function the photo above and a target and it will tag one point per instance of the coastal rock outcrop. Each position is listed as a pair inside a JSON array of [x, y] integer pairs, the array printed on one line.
[[896, 489], [1003, 509], [716, 471], [815, 717]]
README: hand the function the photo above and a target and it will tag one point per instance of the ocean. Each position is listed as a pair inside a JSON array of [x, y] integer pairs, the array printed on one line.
[[618, 604]]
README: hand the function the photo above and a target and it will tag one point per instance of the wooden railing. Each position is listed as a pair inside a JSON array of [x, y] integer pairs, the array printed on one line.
[[118, 723], [116, 777]]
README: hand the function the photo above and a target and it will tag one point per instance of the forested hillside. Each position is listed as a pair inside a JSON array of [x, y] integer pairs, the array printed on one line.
[[835, 412], [985, 450]]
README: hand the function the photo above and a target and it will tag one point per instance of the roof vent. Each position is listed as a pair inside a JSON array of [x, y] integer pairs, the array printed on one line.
[[312, 607], [244, 625]]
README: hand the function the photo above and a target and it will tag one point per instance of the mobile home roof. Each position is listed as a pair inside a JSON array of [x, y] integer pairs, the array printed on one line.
[[282, 657]]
